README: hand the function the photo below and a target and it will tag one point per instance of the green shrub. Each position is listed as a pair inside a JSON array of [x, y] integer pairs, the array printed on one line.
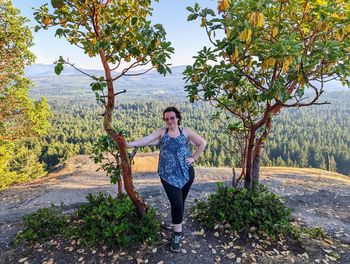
[[103, 220], [115, 221], [44, 223], [242, 209]]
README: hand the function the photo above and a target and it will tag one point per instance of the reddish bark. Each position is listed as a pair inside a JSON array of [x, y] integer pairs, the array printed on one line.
[[120, 140], [255, 146]]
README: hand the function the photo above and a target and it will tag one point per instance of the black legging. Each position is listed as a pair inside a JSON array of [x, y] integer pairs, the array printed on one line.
[[177, 197]]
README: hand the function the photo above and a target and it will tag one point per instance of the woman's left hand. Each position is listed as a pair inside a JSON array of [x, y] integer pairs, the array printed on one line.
[[190, 160]]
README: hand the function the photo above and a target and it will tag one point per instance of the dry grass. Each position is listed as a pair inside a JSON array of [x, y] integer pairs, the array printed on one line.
[[145, 163]]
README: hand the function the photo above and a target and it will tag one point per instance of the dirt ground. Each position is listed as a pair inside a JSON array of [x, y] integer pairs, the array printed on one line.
[[317, 199]]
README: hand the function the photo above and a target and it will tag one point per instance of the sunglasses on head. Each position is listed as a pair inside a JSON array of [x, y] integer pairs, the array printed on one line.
[[172, 118]]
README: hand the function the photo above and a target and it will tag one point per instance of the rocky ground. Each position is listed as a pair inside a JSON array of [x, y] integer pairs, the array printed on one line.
[[317, 199]]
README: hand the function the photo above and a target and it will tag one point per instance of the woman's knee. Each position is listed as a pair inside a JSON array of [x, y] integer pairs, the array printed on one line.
[[178, 207]]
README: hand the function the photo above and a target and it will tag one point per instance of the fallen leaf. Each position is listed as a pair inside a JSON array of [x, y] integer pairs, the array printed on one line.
[[331, 258], [225, 246], [217, 259], [22, 260], [253, 229], [328, 241], [199, 233], [231, 255]]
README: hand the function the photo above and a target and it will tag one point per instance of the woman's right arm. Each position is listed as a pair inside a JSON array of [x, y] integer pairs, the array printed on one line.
[[152, 139]]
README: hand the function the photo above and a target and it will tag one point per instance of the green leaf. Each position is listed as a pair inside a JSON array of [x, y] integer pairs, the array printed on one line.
[[96, 86], [301, 92], [190, 9], [37, 28], [58, 68], [134, 21], [192, 17], [196, 7]]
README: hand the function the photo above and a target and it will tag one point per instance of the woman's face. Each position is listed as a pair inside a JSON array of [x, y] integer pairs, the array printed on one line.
[[170, 119]]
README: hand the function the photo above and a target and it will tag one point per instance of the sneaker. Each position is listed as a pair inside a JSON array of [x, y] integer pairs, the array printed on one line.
[[182, 235], [175, 241]]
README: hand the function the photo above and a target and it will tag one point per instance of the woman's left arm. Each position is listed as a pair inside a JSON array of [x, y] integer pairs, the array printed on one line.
[[198, 141]]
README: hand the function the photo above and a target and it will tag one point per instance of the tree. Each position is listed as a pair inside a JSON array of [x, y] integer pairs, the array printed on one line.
[[20, 117], [268, 55], [118, 32]]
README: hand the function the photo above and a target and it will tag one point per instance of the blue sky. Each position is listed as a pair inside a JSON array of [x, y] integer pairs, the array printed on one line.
[[187, 37]]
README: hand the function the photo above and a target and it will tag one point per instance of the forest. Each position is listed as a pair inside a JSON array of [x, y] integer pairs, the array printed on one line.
[[316, 136]]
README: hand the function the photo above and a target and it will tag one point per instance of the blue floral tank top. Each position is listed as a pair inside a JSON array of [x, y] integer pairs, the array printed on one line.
[[172, 166]]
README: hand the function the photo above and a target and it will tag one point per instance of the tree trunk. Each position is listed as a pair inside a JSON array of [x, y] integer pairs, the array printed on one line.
[[126, 167], [258, 151], [253, 161], [248, 183], [243, 159], [120, 140], [234, 178], [120, 188], [256, 168]]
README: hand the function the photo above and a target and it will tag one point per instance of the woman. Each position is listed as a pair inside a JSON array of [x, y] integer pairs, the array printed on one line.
[[175, 164]]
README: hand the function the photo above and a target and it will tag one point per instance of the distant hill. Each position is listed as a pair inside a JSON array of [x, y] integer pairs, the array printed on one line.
[[47, 70], [151, 85]]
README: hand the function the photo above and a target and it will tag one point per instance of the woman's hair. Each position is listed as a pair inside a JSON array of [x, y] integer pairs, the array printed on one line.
[[177, 113]]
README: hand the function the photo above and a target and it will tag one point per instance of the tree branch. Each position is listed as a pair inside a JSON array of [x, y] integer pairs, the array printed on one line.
[[137, 74], [73, 66]]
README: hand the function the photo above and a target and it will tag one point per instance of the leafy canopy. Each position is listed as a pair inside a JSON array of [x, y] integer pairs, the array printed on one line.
[[118, 27], [269, 51], [20, 117]]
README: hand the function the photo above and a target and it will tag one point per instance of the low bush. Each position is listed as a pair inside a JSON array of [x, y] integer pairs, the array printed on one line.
[[115, 221], [44, 223], [104, 220], [243, 209]]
